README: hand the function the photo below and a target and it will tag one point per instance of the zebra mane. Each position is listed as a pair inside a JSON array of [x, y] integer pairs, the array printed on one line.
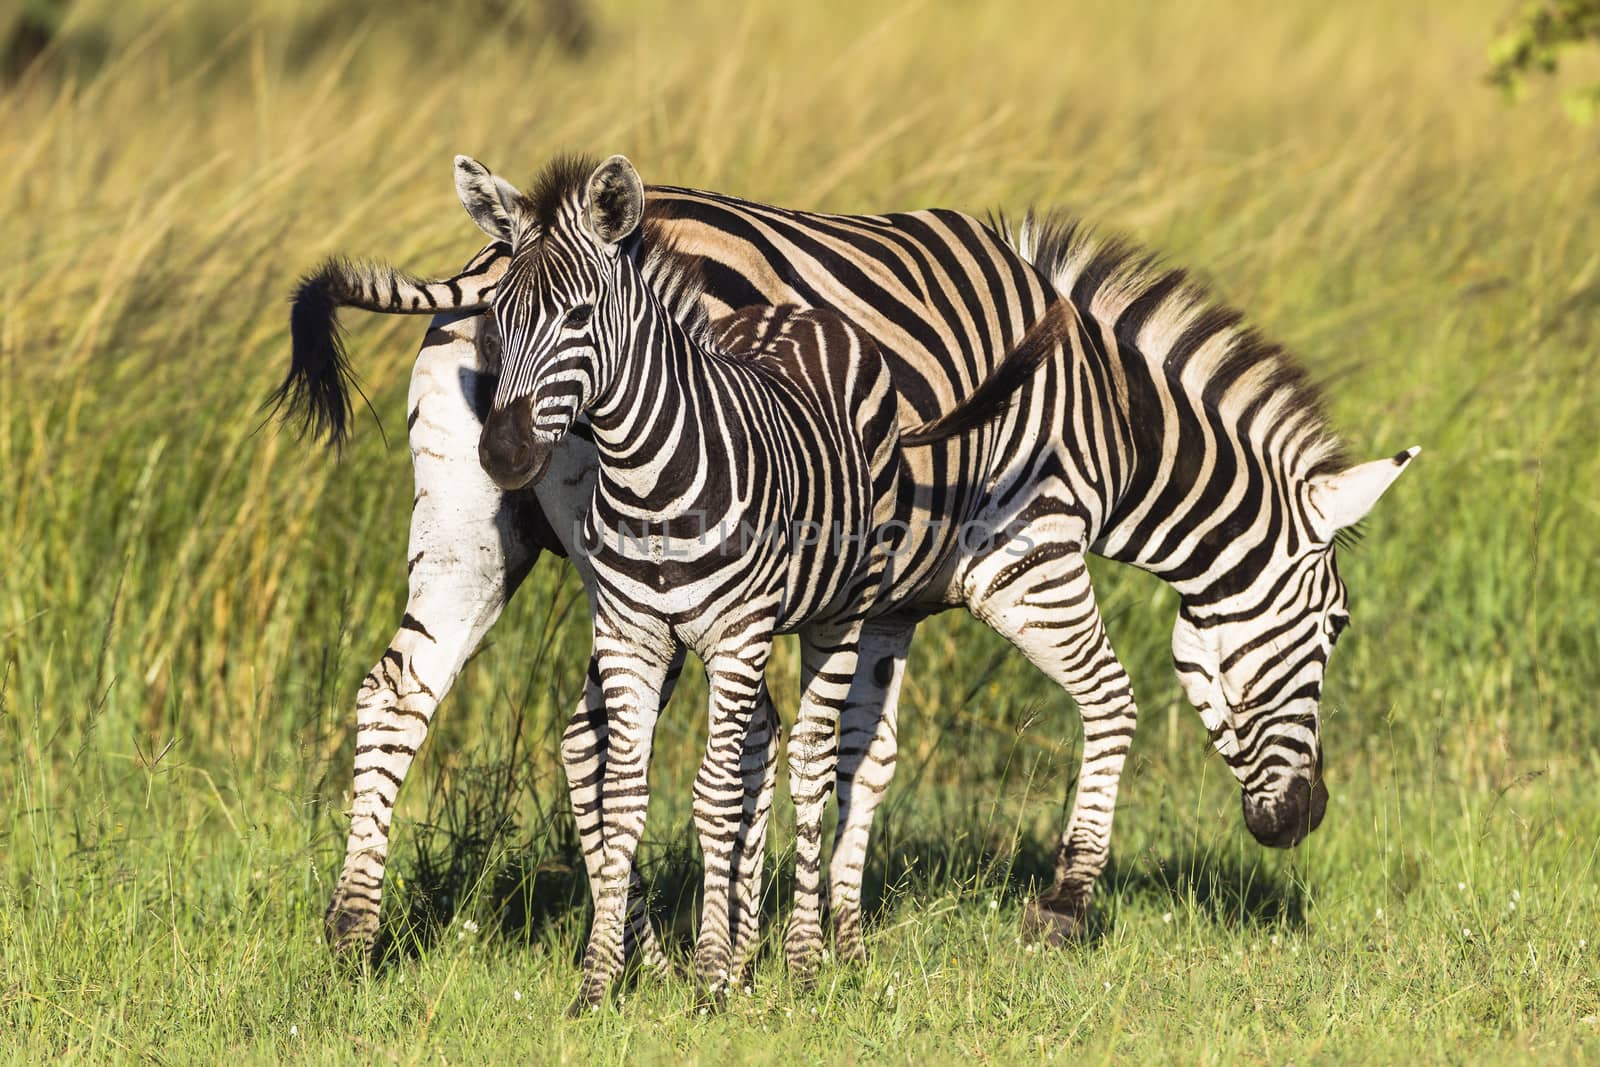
[[1105, 277], [677, 278], [563, 177]]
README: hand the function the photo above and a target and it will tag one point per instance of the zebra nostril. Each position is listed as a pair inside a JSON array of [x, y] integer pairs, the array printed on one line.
[[507, 449]]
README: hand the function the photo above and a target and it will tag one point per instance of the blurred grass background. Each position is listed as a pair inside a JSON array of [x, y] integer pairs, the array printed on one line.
[[187, 602]]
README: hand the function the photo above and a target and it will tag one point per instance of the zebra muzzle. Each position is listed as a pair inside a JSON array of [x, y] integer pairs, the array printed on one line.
[[509, 451], [1284, 820]]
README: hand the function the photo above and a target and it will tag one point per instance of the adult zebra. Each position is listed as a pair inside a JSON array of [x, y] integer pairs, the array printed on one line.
[[1165, 435]]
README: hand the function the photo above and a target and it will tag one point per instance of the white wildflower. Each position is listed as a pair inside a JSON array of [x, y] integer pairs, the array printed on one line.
[[1461, 886], [1108, 987], [469, 926], [889, 992], [994, 905], [1466, 933], [516, 994], [294, 1031], [1380, 913], [1167, 918]]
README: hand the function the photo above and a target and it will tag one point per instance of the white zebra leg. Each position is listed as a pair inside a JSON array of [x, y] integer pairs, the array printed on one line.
[[632, 675], [1041, 600], [583, 749], [468, 552], [760, 773], [828, 658], [725, 814], [867, 754]]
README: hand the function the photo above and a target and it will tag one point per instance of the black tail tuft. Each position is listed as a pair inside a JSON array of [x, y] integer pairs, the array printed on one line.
[[315, 394], [993, 396]]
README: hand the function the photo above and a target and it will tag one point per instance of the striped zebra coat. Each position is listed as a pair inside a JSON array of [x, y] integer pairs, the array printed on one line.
[[1161, 433], [748, 481]]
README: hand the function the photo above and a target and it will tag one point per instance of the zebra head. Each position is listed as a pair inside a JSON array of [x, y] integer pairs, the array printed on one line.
[[1251, 651], [557, 299]]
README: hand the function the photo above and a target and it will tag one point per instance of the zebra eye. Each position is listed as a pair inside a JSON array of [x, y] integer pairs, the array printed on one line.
[[578, 317], [1336, 625], [489, 344]]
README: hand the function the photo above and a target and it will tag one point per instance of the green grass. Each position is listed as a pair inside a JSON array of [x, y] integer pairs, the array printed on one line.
[[187, 604]]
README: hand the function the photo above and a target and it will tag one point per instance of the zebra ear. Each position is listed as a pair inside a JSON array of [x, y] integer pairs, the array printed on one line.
[[1343, 499], [494, 203], [613, 201]]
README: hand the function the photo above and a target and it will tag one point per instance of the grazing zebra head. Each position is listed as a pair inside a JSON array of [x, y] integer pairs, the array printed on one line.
[[562, 296], [1251, 648]]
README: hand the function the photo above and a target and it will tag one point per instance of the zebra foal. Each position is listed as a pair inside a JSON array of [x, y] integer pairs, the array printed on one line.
[[748, 474]]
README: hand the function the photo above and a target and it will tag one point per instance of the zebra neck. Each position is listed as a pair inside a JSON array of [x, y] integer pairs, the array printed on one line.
[[646, 409], [1204, 499]]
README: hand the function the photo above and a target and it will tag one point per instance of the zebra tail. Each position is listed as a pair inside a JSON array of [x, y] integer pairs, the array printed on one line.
[[315, 394], [994, 395]]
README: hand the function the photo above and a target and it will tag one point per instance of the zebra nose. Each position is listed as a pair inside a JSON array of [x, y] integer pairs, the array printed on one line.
[[508, 451], [1284, 820]]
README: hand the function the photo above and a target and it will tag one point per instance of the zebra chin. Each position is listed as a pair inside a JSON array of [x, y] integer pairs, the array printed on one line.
[[1285, 818], [511, 454]]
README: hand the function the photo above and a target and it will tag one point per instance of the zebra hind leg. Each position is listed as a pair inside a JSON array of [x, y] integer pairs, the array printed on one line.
[[867, 753], [394, 709]]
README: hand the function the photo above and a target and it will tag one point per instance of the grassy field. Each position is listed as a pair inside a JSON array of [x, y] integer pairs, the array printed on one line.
[[187, 604]]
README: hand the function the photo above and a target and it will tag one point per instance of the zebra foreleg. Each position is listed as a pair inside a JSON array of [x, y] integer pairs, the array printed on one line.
[[867, 752], [731, 802], [583, 757], [633, 678], [1040, 599]]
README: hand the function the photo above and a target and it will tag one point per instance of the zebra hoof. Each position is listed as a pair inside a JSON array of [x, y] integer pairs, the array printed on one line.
[[848, 943], [586, 1003], [710, 1000], [349, 933], [1054, 923], [802, 948]]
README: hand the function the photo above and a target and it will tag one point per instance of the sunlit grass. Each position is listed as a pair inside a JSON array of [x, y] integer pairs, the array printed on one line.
[[187, 601]]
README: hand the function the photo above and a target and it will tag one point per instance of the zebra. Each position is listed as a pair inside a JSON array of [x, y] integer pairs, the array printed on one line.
[[1165, 434], [748, 486]]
